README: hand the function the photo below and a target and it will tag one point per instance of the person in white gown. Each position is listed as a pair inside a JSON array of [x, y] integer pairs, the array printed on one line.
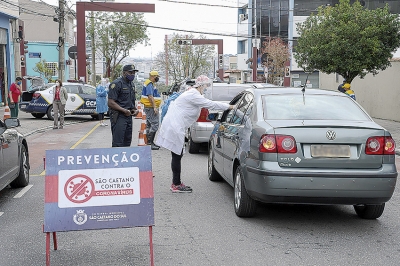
[[182, 113]]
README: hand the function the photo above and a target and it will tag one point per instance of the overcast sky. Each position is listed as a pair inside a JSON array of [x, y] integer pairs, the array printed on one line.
[[177, 16]]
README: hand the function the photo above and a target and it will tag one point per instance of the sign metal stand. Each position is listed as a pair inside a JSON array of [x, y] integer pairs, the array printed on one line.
[[82, 191]]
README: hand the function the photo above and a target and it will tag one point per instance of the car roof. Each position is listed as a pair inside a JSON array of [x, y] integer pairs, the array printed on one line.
[[262, 90]]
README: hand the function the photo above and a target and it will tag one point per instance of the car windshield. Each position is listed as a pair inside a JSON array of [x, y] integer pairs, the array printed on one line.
[[312, 107]]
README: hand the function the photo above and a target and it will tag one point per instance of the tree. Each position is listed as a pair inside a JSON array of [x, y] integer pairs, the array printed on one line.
[[43, 70], [348, 39], [116, 34], [185, 60], [274, 54]]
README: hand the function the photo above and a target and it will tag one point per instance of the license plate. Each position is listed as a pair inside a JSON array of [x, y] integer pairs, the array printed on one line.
[[330, 151]]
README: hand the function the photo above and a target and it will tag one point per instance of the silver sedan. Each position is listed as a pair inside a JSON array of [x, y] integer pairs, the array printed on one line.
[[288, 145]]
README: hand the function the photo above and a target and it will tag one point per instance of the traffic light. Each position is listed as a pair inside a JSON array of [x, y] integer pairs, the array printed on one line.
[[220, 61], [25, 47], [22, 60], [287, 72], [184, 42]]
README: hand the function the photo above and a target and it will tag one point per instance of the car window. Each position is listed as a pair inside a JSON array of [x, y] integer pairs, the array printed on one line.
[[89, 90], [241, 109], [312, 107], [72, 88]]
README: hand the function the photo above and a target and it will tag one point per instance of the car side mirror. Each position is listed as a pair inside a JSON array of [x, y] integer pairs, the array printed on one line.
[[12, 122]]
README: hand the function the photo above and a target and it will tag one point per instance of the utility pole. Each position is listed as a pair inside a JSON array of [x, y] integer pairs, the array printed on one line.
[[93, 49], [61, 41], [166, 60], [17, 57]]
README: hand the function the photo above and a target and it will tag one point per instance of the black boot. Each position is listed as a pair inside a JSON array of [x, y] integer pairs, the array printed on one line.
[[151, 141]]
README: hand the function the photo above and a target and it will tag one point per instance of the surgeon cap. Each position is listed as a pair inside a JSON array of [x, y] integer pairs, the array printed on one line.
[[202, 80]]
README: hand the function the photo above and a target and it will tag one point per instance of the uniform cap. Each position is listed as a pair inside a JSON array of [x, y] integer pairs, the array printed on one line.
[[129, 68], [154, 73]]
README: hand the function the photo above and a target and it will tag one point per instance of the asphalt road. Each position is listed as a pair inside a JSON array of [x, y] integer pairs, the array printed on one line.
[[200, 228]]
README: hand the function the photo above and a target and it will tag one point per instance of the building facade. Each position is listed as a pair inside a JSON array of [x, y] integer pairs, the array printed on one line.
[[9, 14], [262, 19]]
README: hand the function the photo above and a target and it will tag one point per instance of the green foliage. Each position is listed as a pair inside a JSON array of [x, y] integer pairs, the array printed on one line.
[[185, 60], [348, 39], [43, 70], [117, 33]]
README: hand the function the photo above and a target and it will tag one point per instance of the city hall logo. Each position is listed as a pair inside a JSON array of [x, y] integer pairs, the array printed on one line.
[[330, 134], [80, 217]]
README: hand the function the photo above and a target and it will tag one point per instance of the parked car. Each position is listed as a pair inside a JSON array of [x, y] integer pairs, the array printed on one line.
[[199, 133], [283, 145], [14, 156], [39, 100]]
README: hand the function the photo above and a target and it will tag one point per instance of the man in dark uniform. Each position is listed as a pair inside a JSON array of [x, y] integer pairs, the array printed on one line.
[[121, 101]]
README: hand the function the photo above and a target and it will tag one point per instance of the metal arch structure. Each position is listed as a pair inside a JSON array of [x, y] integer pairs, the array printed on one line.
[[220, 48], [81, 7]]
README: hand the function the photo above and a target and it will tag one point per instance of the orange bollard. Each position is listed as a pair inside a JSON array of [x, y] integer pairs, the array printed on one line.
[[140, 114], [143, 128], [7, 113], [141, 139]]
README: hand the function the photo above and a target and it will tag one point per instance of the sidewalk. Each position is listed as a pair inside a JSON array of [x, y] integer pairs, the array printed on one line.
[[29, 126]]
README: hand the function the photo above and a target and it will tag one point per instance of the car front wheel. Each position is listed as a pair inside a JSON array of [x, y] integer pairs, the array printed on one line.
[[245, 206], [213, 175], [369, 212], [23, 178]]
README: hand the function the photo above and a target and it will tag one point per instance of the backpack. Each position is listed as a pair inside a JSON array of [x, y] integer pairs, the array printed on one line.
[[165, 105]]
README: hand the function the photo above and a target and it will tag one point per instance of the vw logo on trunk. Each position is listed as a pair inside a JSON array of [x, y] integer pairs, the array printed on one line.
[[330, 134]]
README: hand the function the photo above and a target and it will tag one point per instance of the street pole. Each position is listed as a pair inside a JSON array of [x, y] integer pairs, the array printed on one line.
[[166, 60], [61, 31], [93, 50], [17, 57], [254, 52]]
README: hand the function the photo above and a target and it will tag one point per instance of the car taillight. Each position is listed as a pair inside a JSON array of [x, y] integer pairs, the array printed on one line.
[[203, 115], [36, 95], [272, 143], [380, 146]]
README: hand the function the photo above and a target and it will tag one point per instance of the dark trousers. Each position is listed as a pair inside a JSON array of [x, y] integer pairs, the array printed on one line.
[[101, 116], [176, 168], [121, 131]]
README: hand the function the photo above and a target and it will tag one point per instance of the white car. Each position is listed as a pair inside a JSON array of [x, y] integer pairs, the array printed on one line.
[[81, 100], [200, 131]]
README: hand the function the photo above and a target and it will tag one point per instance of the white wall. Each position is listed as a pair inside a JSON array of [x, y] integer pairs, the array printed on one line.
[[379, 95]]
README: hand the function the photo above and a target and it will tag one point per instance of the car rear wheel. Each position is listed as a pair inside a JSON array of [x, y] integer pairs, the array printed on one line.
[[37, 115], [369, 211], [23, 178], [193, 147], [245, 206], [213, 175], [50, 113]]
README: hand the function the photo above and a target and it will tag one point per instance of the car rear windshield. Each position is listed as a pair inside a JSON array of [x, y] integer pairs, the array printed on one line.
[[312, 107], [222, 93]]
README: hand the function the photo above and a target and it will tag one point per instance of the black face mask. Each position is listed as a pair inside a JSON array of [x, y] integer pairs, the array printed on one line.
[[156, 79]]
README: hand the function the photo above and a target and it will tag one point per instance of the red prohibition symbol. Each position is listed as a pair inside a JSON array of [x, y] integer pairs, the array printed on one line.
[[79, 188]]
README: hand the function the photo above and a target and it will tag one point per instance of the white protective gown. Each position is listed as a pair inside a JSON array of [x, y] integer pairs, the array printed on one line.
[[182, 113]]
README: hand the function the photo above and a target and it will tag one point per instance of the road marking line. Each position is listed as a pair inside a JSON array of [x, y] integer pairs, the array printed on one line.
[[23, 191], [79, 141], [84, 137], [1, 213]]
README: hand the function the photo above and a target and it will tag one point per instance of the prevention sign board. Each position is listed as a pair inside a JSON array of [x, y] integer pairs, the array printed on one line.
[[98, 189]]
